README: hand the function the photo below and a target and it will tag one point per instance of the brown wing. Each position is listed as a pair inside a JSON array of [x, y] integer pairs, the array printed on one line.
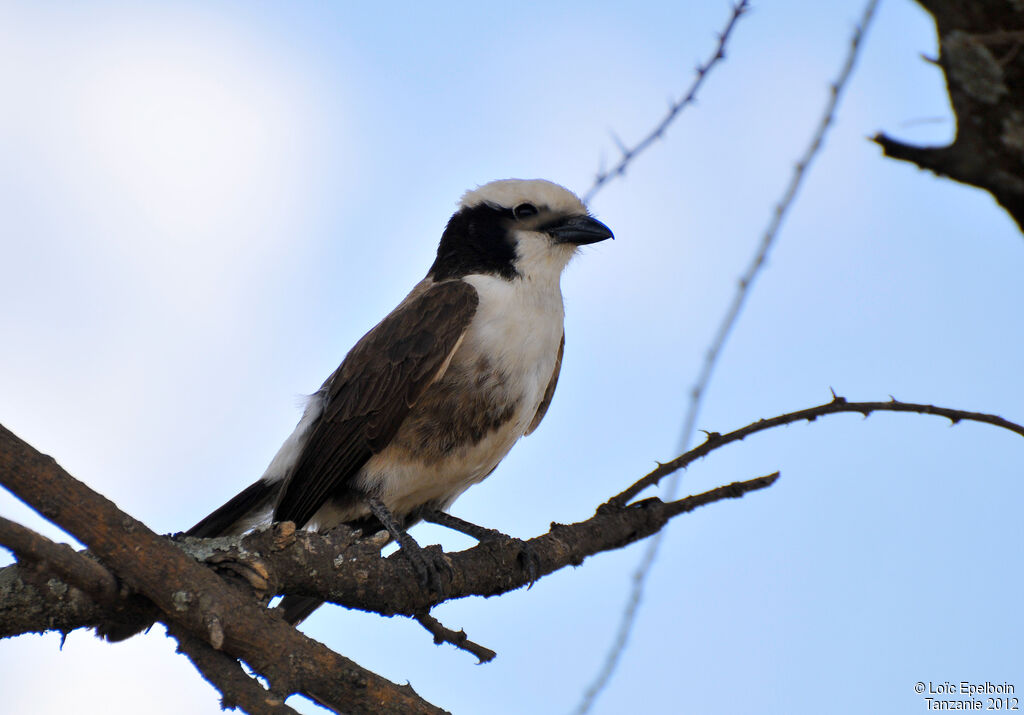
[[542, 408], [372, 391]]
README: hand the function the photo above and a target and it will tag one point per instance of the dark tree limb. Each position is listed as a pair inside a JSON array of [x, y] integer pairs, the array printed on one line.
[[30, 603], [237, 688], [981, 53], [59, 560], [351, 573], [194, 596], [77, 569]]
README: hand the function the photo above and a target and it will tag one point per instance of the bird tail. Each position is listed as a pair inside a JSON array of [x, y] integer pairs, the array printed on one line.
[[231, 518]]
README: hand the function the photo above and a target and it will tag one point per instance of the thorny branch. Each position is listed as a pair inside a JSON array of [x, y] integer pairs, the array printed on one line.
[[838, 404], [722, 334], [674, 109]]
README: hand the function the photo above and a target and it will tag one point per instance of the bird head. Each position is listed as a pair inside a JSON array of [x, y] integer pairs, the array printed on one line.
[[515, 228]]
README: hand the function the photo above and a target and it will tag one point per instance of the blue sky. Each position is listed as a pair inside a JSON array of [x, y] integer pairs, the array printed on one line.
[[203, 206]]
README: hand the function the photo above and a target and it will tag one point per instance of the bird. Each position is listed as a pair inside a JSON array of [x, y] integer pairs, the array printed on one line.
[[431, 399]]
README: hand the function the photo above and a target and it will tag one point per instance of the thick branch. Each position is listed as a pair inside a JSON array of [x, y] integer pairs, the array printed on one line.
[[194, 596], [237, 688], [312, 566], [77, 569], [30, 604], [351, 573], [980, 53], [60, 560]]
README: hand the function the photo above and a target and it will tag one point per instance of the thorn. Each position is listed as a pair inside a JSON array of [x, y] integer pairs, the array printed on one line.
[[953, 421], [836, 399], [893, 400], [63, 638], [619, 144]]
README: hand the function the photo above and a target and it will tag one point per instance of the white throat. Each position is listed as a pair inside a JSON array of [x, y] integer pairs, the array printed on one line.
[[539, 261]]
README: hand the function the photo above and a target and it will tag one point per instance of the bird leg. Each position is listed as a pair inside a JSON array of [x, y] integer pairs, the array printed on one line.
[[527, 556], [428, 566]]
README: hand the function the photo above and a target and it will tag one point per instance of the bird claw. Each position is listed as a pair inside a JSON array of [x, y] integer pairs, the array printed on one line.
[[427, 563], [530, 561], [527, 556], [430, 564]]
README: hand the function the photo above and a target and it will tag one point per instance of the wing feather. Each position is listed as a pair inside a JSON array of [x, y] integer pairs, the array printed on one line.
[[372, 391], [542, 408]]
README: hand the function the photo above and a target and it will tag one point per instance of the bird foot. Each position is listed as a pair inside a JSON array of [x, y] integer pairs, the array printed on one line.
[[429, 563], [527, 557]]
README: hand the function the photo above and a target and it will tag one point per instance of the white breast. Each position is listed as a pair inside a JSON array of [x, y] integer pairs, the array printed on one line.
[[517, 328], [518, 325]]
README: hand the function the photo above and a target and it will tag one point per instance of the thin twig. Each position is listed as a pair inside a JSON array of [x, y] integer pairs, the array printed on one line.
[[674, 109], [736, 490], [838, 404], [459, 639], [711, 357]]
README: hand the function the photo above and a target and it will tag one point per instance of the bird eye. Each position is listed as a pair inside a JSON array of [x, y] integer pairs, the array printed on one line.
[[524, 210]]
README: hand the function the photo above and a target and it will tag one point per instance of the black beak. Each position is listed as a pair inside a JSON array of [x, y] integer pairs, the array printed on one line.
[[579, 230]]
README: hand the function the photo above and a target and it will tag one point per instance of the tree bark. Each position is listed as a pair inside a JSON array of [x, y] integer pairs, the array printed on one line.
[[981, 53]]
